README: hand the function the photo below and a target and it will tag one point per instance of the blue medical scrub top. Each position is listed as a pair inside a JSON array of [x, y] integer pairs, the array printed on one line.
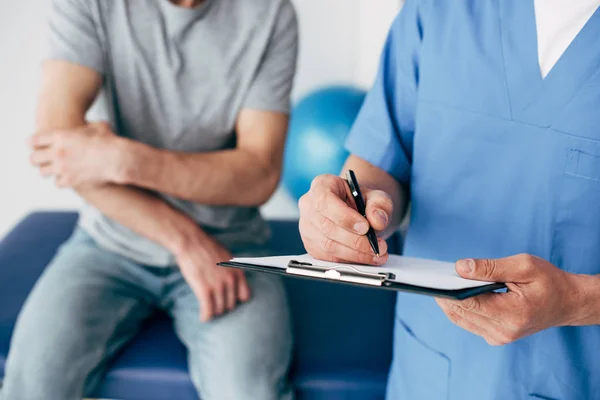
[[499, 162]]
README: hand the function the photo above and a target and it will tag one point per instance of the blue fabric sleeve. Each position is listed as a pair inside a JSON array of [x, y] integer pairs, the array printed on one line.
[[383, 131]]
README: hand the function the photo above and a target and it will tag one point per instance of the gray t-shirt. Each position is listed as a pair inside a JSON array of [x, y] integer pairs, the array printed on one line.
[[176, 78]]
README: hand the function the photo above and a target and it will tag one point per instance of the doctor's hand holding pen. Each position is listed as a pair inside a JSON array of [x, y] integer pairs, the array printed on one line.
[[331, 226], [540, 295]]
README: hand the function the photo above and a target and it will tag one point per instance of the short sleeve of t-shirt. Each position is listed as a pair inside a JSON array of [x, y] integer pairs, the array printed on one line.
[[73, 34], [383, 131], [272, 85]]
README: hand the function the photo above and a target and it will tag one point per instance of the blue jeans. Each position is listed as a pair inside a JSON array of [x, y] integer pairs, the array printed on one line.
[[89, 303]]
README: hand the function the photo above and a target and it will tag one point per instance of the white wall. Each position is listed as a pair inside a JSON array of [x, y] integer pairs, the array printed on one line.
[[340, 43], [341, 40]]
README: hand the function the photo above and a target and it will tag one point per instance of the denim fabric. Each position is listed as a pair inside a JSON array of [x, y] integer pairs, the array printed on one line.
[[90, 302]]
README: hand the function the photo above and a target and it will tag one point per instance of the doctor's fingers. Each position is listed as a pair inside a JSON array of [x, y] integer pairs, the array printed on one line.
[[495, 306], [491, 330], [321, 247], [321, 201], [380, 208], [467, 325], [323, 226]]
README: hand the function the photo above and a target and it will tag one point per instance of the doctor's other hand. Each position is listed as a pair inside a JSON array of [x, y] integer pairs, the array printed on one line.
[[333, 230], [218, 289], [539, 296]]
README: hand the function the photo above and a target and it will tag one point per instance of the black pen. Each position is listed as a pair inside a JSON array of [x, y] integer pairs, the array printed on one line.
[[361, 208]]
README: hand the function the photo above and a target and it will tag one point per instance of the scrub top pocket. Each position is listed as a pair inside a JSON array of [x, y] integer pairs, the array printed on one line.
[[577, 225], [583, 165]]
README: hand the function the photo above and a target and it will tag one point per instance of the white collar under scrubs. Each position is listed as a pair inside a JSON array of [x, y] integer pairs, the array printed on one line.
[[500, 146], [558, 22]]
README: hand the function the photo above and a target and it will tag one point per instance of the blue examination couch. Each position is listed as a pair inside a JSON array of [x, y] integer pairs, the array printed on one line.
[[343, 334]]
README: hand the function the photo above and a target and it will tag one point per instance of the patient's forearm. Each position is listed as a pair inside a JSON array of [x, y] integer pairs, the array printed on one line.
[[234, 177], [67, 92], [143, 213]]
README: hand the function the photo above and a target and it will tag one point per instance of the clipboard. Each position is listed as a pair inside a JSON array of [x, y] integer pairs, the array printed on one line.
[[391, 278]]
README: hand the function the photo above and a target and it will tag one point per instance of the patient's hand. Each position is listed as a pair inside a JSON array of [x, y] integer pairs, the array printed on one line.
[[218, 289], [89, 154]]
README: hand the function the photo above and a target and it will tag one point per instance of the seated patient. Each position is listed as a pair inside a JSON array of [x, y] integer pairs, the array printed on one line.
[[198, 95]]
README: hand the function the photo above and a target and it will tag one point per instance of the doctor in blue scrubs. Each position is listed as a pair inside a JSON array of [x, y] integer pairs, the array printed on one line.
[[485, 116]]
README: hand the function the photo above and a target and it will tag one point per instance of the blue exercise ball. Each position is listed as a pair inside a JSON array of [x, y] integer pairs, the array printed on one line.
[[318, 128]]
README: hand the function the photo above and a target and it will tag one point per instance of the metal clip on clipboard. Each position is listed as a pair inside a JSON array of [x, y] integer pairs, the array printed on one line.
[[344, 273]]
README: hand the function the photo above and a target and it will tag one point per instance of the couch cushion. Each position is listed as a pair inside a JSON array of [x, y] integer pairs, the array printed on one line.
[[343, 334]]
